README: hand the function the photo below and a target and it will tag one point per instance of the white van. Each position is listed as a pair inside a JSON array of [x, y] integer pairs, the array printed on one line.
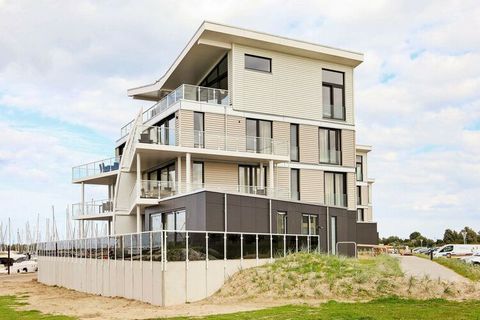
[[18, 263], [456, 250]]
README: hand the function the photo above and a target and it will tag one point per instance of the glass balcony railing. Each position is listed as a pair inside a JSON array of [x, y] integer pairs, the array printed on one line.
[[95, 168], [331, 156], [93, 207], [184, 92], [336, 199], [336, 112], [152, 189], [158, 135]]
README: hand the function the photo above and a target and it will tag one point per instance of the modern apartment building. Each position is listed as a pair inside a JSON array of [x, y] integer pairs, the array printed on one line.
[[245, 132]]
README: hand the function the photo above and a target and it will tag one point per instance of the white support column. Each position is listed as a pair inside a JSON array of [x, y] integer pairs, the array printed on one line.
[[83, 199], [188, 166], [139, 220], [262, 182], [179, 174], [139, 174], [271, 182]]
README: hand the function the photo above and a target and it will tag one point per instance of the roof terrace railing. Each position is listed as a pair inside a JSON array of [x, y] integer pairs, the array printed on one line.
[[184, 92]]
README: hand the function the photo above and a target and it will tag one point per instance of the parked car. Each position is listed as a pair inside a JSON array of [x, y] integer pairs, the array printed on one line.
[[18, 263], [456, 250], [473, 259]]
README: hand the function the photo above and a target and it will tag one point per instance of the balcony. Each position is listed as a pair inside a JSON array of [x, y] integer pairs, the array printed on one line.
[[184, 92], [335, 112], [153, 189], [209, 141], [98, 168], [336, 200], [331, 156], [93, 208]]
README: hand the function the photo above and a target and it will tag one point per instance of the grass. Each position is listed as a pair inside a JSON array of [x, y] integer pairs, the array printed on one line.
[[9, 310], [380, 309], [469, 271]]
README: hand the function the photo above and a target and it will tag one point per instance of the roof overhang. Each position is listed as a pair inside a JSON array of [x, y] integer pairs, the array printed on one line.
[[363, 148], [213, 40]]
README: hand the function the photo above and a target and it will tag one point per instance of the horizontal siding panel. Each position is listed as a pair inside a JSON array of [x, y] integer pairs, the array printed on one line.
[[348, 148], [311, 186], [186, 127], [308, 139], [351, 191], [221, 173]]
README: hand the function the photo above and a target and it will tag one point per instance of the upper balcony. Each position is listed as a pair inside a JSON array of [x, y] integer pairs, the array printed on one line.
[[93, 210], [185, 92], [97, 172]]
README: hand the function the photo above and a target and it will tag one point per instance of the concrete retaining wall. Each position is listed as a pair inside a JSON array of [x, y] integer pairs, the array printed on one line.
[[154, 282]]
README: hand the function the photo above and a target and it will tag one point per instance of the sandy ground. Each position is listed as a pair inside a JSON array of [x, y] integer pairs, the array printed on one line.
[[418, 267], [63, 301]]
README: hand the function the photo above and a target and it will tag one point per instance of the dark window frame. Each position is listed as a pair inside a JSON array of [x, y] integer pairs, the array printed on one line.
[[219, 77], [202, 144], [334, 184], [257, 132], [357, 163], [203, 169], [359, 195], [297, 134], [338, 147], [259, 57], [251, 168], [298, 184], [362, 210], [283, 215], [309, 216], [331, 87]]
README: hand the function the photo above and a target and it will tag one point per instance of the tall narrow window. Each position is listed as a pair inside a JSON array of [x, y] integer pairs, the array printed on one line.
[[359, 168], [294, 150], [360, 214], [335, 189], [309, 224], [295, 184], [197, 175], [333, 92], [330, 146], [359, 195], [281, 222], [198, 130], [333, 234], [259, 136], [258, 63]]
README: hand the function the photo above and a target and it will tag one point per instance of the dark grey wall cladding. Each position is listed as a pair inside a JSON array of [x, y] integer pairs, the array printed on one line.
[[367, 233], [205, 211]]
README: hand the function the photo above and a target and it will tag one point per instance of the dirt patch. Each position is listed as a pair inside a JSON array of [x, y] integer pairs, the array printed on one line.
[[61, 301]]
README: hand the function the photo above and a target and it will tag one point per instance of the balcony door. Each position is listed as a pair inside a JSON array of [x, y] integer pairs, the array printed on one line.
[[259, 136], [251, 180]]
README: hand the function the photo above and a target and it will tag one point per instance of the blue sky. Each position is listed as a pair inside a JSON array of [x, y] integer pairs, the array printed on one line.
[[65, 68]]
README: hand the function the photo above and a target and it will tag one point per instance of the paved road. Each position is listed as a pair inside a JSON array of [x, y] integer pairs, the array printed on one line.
[[419, 267]]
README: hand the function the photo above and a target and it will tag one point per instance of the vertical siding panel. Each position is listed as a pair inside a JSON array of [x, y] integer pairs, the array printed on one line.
[[351, 191], [348, 148], [308, 139], [311, 186]]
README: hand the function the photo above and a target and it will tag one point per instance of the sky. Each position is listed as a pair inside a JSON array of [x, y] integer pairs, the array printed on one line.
[[65, 67]]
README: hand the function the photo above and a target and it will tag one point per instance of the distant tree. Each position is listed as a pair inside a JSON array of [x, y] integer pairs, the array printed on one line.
[[450, 236], [415, 235], [472, 236]]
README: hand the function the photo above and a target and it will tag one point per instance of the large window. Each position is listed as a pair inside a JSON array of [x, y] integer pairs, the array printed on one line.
[[309, 224], [333, 94], [330, 146], [171, 221], [295, 184], [218, 77], [251, 179], [161, 182], [198, 130], [163, 132], [197, 175], [359, 168], [335, 189], [258, 63], [294, 148], [281, 222], [259, 136]]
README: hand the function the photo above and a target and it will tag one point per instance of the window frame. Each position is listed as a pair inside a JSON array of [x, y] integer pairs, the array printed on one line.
[[331, 87], [201, 144], [357, 163], [338, 147], [296, 128], [258, 57], [284, 218], [297, 183], [203, 170], [334, 187], [362, 210], [310, 217], [219, 77], [359, 195]]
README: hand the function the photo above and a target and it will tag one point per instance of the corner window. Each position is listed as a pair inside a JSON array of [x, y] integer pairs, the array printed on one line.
[[359, 195], [360, 214], [330, 146], [359, 168], [218, 76], [333, 92], [281, 222], [258, 63]]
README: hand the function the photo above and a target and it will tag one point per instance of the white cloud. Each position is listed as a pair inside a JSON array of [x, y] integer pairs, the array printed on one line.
[[73, 61]]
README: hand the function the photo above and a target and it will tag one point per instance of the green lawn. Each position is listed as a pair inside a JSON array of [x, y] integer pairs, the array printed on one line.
[[388, 308], [8, 305]]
